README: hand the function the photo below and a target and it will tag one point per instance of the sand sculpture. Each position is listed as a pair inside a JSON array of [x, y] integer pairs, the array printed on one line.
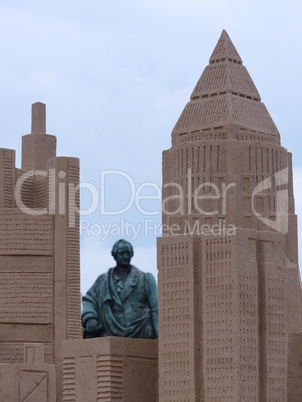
[[43, 356], [229, 284]]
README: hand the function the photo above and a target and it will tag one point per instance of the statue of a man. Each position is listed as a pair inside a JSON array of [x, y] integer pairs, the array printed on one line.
[[123, 301]]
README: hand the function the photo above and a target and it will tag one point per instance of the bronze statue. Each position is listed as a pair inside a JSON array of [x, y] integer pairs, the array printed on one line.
[[123, 301]]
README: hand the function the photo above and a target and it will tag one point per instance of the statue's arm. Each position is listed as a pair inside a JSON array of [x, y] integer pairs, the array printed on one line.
[[90, 305], [152, 300]]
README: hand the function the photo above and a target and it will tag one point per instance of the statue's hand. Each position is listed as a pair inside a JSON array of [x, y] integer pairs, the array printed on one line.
[[91, 325]]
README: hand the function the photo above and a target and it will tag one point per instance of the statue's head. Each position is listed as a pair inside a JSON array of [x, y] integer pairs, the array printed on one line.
[[122, 252]]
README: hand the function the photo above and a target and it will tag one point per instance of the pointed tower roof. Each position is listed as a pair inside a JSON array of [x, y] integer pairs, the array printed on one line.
[[225, 50], [225, 94]]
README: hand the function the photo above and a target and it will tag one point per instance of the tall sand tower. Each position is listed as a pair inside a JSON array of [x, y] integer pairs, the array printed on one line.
[[39, 265], [229, 284]]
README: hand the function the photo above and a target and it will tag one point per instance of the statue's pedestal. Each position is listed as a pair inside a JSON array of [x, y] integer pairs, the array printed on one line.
[[110, 369]]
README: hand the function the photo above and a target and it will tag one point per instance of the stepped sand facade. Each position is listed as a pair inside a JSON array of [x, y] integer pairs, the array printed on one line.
[[229, 284]]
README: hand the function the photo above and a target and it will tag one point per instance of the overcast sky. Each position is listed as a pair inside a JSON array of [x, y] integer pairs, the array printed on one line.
[[115, 76]]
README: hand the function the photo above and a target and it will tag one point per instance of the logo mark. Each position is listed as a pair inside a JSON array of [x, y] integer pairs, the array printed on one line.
[[280, 224]]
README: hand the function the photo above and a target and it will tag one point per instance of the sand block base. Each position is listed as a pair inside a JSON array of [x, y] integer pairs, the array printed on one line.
[[110, 369]]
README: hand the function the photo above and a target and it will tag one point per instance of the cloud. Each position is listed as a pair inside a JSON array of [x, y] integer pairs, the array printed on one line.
[[297, 175], [95, 260], [116, 75]]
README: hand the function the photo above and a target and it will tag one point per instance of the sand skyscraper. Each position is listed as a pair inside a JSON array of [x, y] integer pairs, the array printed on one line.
[[229, 284]]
